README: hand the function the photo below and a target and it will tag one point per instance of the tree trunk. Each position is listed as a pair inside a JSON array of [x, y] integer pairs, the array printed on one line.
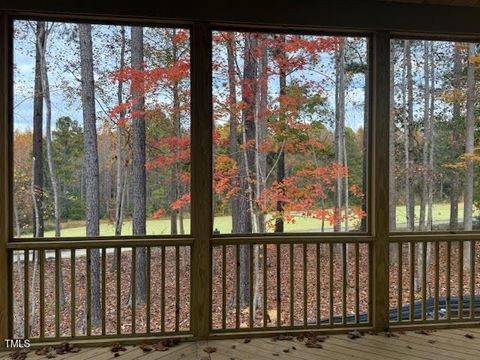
[[261, 133], [426, 135], [409, 191], [233, 127], [92, 206], [175, 193], [120, 164], [38, 133], [51, 165], [365, 151], [279, 223], [339, 129], [455, 188], [431, 138], [392, 185], [138, 167], [469, 151], [248, 159], [260, 159]]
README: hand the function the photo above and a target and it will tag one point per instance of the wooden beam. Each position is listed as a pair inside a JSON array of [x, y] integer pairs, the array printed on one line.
[[380, 61], [5, 181], [366, 15], [201, 169]]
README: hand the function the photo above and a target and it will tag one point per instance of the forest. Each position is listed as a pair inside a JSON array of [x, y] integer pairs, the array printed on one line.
[[101, 137]]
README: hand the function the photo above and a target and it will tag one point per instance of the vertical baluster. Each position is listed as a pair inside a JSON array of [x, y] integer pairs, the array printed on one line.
[[58, 269], [73, 282], [104, 290], [437, 276], [26, 304], [162, 296], [292, 280], [88, 293], [177, 287], [331, 283], [319, 302], [224, 287], [424, 280], [265, 289], [344, 283], [412, 281], [472, 279], [149, 285], [41, 255], [133, 281], [250, 290], [357, 282], [305, 287], [119, 292], [279, 292], [447, 275], [400, 281], [460, 279], [237, 290]]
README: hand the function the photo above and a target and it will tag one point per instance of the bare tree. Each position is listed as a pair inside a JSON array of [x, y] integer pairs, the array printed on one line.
[[38, 132], [138, 165], [340, 85], [469, 151], [92, 195], [455, 187], [120, 163], [279, 223], [249, 89], [391, 169], [233, 128], [408, 141]]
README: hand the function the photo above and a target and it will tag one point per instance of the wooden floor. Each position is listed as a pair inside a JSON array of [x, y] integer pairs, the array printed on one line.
[[437, 345]]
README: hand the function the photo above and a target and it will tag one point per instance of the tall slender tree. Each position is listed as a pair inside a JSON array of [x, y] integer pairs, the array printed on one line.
[[42, 45], [392, 195], [138, 164], [409, 139], [455, 186], [38, 132], [247, 160], [92, 194], [469, 151], [340, 85], [282, 77]]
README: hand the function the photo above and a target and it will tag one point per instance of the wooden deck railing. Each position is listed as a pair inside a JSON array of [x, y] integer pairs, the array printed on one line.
[[290, 284], [54, 285], [434, 280]]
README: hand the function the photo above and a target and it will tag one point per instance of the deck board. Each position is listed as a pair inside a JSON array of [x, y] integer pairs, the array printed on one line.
[[438, 345]]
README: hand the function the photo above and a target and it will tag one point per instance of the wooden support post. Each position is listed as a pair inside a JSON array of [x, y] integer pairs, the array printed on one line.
[[5, 181], [379, 191], [202, 209]]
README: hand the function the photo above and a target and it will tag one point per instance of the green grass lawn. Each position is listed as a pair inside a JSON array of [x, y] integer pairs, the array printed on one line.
[[441, 214]]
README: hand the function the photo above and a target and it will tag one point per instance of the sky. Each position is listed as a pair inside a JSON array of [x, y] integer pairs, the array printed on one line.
[[62, 52]]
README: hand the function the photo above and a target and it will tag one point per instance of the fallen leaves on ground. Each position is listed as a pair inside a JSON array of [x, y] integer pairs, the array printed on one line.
[[51, 352], [210, 349], [422, 332], [117, 348], [282, 337], [146, 348], [355, 334], [19, 354]]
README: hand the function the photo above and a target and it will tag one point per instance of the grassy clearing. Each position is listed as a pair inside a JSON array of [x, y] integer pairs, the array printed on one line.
[[441, 214]]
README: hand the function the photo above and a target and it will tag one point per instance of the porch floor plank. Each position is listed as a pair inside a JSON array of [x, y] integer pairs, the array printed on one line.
[[437, 345]]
